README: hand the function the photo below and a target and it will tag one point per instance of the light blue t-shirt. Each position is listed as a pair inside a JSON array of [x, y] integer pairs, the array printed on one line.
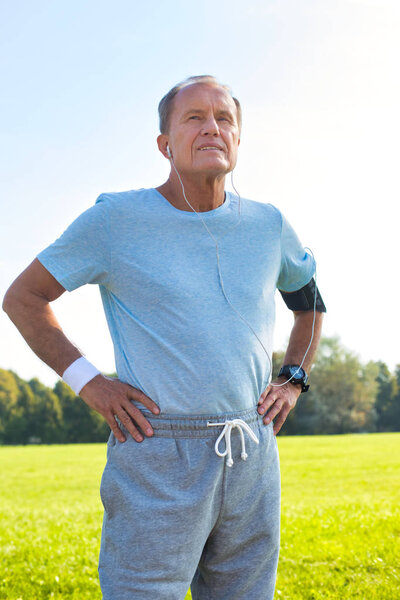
[[175, 336]]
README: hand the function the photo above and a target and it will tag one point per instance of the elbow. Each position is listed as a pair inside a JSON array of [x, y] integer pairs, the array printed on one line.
[[306, 319], [8, 301], [12, 300], [307, 316], [19, 300]]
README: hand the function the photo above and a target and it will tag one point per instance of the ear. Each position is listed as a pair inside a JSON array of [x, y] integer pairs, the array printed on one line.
[[162, 143]]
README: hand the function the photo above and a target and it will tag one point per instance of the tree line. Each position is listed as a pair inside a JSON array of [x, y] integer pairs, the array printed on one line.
[[345, 396]]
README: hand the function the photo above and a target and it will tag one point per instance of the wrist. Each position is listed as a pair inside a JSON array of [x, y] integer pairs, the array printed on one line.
[[79, 373], [296, 376], [284, 379]]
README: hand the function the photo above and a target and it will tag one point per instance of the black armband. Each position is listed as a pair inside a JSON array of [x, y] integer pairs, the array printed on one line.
[[304, 299]]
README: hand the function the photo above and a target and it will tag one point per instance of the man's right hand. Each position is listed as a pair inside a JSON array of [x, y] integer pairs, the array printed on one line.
[[27, 303], [112, 398]]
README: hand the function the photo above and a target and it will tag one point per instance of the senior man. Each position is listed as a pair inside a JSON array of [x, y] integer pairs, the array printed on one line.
[[187, 274]]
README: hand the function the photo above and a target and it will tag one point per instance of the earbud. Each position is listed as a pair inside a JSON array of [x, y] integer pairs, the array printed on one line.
[[169, 151]]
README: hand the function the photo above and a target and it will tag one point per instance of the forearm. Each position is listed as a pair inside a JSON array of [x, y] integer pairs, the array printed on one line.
[[280, 397], [38, 325], [300, 339], [33, 317]]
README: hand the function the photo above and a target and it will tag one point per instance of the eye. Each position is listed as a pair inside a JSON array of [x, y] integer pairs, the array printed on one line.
[[194, 117]]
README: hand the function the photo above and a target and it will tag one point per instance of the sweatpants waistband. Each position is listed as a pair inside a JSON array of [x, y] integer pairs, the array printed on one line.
[[197, 426]]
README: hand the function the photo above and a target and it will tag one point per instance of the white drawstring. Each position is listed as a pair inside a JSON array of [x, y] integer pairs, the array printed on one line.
[[228, 426]]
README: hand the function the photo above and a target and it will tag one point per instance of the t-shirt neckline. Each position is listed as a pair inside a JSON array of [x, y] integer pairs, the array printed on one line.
[[189, 214]]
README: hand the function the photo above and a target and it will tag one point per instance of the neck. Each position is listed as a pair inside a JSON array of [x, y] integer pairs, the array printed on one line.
[[204, 194]]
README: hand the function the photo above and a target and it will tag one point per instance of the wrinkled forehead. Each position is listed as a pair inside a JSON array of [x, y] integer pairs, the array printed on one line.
[[200, 96]]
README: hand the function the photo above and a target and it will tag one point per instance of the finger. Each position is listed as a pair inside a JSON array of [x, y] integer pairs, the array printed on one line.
[[264, 394], [128, 424], [141, 397], [280, 421], [114, 427], [138, 417], [268, 402], [275, 409]]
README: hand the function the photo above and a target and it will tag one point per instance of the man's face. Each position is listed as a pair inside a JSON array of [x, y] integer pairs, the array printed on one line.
[[203, 130]]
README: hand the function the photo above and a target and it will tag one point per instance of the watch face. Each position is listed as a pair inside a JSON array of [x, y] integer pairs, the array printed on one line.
[[297, 373]]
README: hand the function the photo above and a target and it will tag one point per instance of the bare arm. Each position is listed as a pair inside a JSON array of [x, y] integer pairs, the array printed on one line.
[[300, 337], [279, 401], [27, 303]]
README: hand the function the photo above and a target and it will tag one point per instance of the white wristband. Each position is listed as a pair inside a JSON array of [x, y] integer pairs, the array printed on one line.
[[79, 373]]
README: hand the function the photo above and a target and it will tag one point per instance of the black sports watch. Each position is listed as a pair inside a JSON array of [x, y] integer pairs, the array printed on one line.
[[296, 374]]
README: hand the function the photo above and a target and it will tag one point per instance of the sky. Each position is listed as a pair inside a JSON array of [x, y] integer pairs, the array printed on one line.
[[320, 92]]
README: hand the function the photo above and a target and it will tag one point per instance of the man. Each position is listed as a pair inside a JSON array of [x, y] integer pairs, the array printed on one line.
[[192, 333]]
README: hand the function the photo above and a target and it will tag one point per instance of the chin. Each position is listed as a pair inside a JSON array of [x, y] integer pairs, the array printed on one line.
[[214, 163]]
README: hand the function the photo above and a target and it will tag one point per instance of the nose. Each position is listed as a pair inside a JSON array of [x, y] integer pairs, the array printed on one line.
[[210, 127]]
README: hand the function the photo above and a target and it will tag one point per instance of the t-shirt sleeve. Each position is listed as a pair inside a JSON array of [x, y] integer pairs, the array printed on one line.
[[297, 266], [82, 254]]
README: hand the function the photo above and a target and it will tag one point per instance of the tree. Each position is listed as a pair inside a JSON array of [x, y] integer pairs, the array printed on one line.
[[8, 401], [341, 396], [385, 403], [80, 423], [392, 408], [45, 414], [345, 396]]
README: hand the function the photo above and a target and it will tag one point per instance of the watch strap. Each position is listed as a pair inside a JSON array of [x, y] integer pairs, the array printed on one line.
[[285, 372]]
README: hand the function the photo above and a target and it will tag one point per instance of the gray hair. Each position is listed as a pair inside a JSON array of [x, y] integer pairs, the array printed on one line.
[[165, 105]]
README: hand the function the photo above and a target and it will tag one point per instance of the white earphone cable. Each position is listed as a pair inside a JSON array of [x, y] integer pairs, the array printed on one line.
[[222, 283]]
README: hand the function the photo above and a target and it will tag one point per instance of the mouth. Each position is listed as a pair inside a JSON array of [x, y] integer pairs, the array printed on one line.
[[210, 148]]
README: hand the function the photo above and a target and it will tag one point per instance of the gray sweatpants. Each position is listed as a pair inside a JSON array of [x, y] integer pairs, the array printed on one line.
[[176, 514]]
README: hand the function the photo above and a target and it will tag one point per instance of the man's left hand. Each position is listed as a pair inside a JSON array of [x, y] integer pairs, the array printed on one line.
[[278, 401]]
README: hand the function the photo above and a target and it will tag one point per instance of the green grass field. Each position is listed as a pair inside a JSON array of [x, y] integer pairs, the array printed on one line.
[[340, 519]]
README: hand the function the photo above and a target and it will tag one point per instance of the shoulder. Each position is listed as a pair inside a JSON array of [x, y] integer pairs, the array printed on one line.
[[261, 207], [114, 199], [263, 211], [129, 204]]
